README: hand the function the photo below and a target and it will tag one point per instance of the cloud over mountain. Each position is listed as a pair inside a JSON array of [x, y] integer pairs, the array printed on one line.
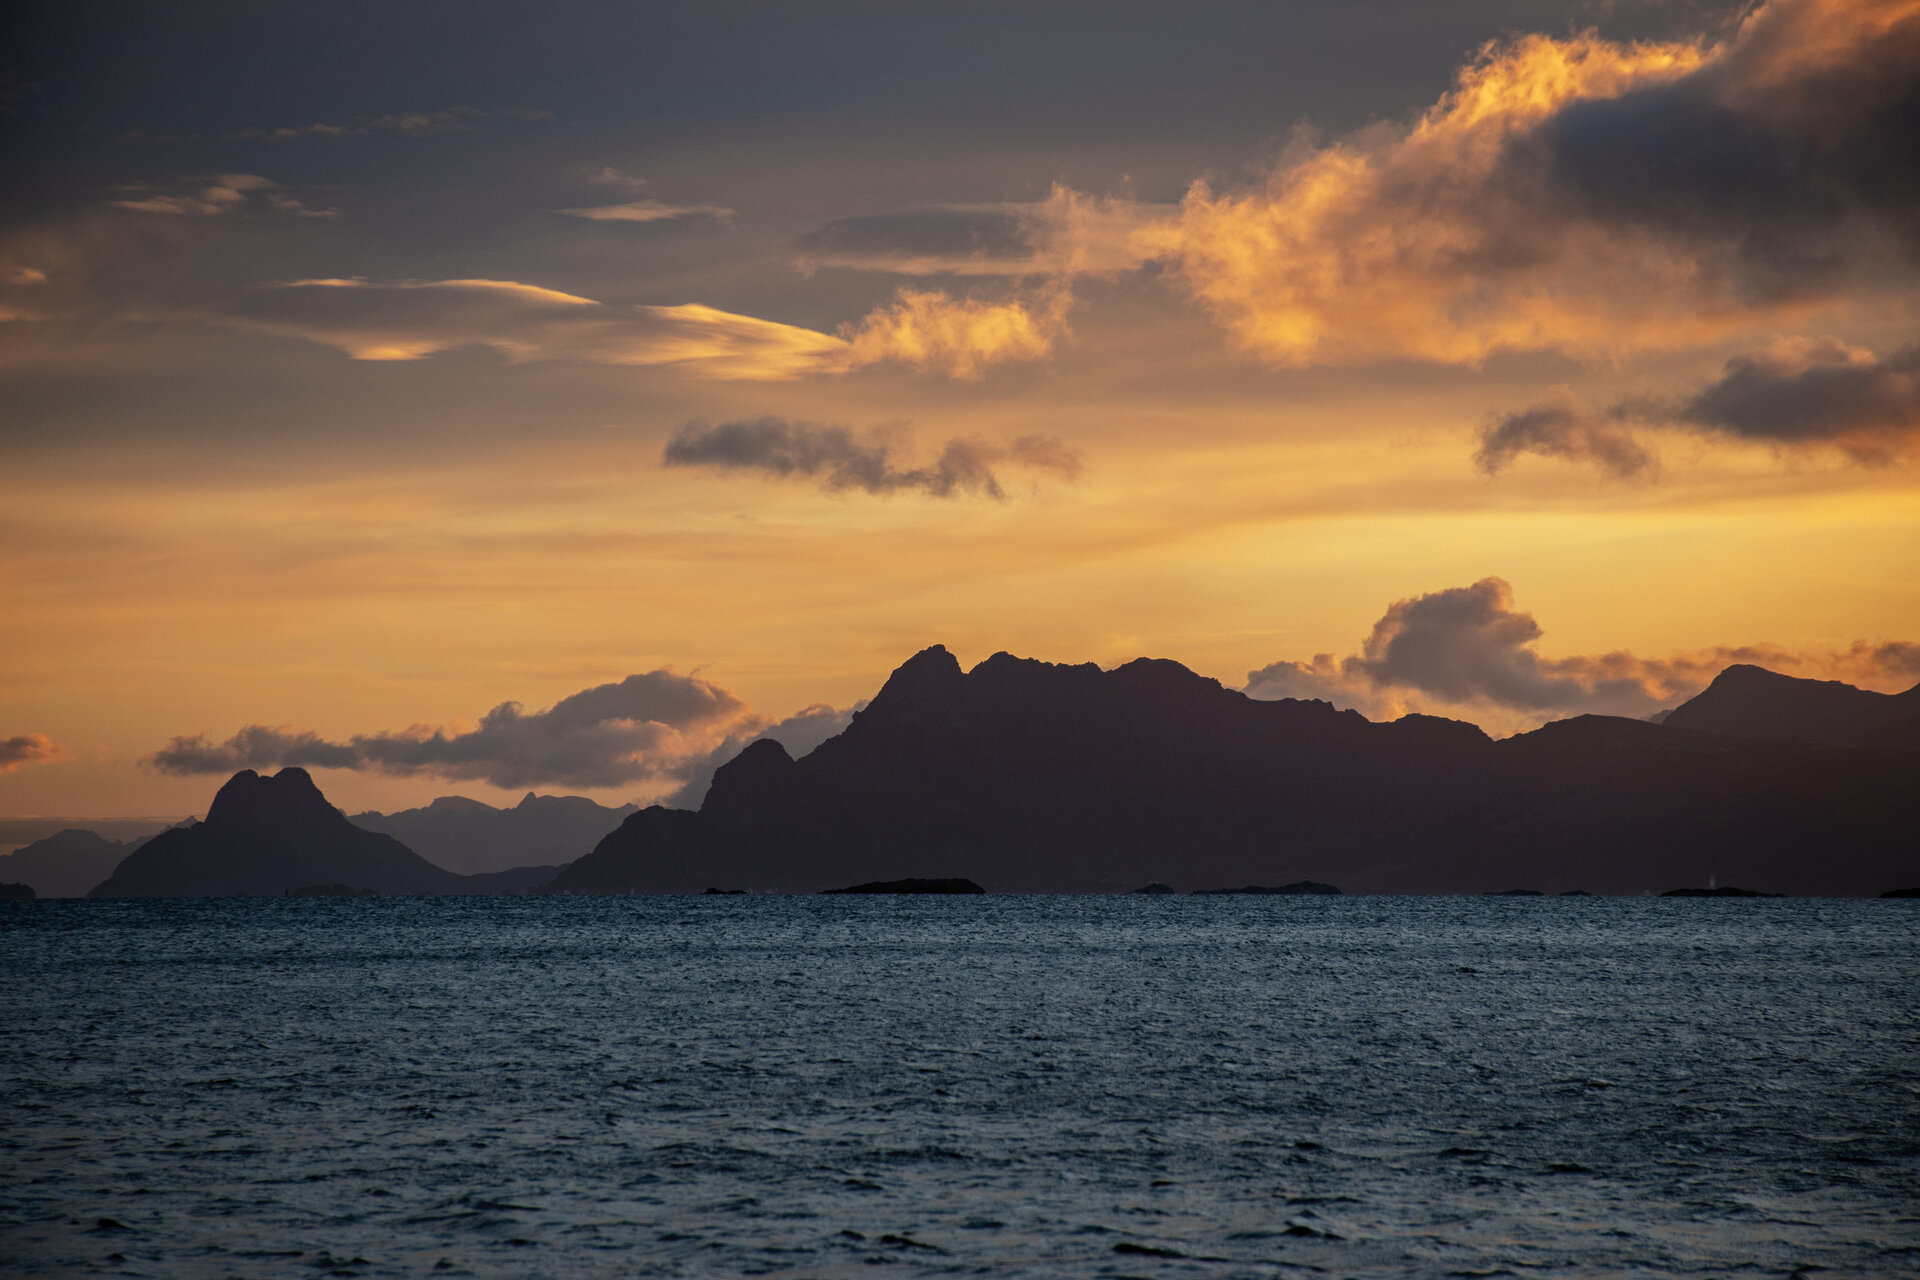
[[1584, 195], [1470, 651], [638, 728], [838, 459], [659, 727]]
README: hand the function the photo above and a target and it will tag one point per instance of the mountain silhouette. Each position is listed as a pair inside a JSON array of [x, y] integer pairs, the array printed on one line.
[[265, 836], [1752, 702], [1026, 776], [67, 863], [468, 836]]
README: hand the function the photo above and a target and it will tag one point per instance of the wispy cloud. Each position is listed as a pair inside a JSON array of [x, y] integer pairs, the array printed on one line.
[[226, 194], [838, 459], [411, 319], [1585, 196], [1068, 233], [1468, 650], [648, 211], [412, 124]]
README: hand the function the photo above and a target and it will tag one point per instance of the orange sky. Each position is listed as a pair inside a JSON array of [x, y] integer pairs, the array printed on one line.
[[380, 425]]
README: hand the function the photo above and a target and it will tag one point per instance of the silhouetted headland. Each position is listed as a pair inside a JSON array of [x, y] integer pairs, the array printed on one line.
[[1751, 702], [17, 893], [1026, 776], [265, 836]]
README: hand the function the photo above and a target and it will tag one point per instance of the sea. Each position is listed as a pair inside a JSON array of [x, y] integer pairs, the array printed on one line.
[[990, 1085]]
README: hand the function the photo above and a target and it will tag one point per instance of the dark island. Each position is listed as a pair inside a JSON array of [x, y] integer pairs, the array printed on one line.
[[912, 886]]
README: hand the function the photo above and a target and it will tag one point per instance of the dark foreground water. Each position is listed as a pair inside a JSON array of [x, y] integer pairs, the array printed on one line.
[[933, 1086]]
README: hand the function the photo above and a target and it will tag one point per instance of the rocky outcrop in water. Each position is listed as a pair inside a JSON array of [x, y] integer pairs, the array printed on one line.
[[266, 836], [1029, 777], [912, 886], [17, 893]]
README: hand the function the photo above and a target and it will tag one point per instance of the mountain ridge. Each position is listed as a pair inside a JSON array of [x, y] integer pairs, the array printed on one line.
[[1036, 777]]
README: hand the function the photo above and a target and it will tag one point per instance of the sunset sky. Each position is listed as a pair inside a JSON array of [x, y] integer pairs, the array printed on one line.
[[676, 371]]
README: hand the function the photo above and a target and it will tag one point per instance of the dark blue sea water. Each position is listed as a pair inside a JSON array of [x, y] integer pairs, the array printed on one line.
[[1058, 1087]]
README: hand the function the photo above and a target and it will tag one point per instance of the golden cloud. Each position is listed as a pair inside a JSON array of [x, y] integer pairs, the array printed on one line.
[[1581, 195], [956, 336]]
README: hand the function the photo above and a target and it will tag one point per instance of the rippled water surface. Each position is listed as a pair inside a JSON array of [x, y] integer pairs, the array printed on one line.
[[1215, 1087]]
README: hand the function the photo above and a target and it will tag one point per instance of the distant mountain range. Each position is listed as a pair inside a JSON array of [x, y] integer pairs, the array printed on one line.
[[270, 836], [1024, 776], [469, 837], [67, 863]]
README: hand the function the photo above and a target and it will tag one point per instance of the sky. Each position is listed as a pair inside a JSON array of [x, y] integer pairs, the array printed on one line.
[[480, 398]]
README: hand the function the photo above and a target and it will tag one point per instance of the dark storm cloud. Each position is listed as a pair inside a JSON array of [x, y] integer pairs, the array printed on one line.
[[642, 727], [1797, 392], [839, 459]]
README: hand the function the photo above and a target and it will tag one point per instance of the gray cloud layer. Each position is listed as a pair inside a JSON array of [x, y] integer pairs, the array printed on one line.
[[1785, 148], [1796, 392], [643, 727], [838, 459]]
